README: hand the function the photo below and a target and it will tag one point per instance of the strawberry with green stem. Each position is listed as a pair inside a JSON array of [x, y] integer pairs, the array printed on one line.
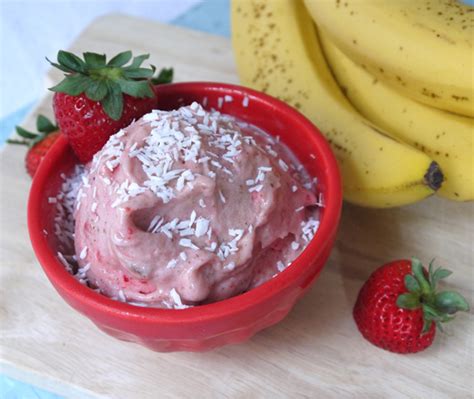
[[399, 308], [98, 98], [38, 143]]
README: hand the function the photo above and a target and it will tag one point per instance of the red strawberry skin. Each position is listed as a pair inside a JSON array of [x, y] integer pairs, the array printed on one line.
[[35, 155], [381, 321], [88, 127]]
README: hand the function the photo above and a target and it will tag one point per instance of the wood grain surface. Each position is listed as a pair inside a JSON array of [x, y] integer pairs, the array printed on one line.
[[316, 352]]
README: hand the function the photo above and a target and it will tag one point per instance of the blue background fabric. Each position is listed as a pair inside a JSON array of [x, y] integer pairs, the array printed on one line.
[[210, 16]]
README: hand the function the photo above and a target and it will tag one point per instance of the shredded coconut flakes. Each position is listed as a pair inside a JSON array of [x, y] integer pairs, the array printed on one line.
[[167, 155]]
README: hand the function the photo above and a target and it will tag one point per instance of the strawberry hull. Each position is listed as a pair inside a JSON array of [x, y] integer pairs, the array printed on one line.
[[97, 98]]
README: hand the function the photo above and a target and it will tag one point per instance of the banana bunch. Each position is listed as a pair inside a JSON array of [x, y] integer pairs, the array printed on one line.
[[422, 48], [445, 137], [278, 51]]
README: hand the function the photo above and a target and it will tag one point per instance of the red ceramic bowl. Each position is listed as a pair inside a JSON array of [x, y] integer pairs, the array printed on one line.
[[232, 320]]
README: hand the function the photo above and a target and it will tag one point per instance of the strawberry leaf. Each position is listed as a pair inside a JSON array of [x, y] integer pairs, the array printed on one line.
[[44, 125], [113, 101], [164, 76], [450, 302], [438, 275], [120, 59], [430, 272], [13, 141], [440, 326], [430, 313], [138, 73], [71, 61], [96, 90], [408, 301], [61, 67], [411, 284], [108, 82], [136, 88], [137, 61], [25, 133], [72, 85], [416, 267], [436, 307], [418, 272], [426, 326], [94, 60]]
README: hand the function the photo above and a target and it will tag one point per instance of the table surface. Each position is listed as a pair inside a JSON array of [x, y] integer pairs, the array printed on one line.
[[315, 351]]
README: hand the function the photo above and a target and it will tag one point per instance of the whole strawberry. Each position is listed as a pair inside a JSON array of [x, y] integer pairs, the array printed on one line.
[[39, 143], [98, 98], [398, 308]]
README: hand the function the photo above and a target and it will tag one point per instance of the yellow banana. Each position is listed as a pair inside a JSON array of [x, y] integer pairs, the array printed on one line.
[[423, 48], [277, 51], [445, 137]]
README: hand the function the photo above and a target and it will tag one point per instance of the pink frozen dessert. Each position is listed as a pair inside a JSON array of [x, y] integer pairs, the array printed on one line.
[[189, 207]]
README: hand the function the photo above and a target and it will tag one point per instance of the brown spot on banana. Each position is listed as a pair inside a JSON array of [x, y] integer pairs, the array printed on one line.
[[428, 93], [460, 98]]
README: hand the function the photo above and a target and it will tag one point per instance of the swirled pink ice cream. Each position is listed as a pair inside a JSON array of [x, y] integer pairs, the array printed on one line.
[[189, 207]]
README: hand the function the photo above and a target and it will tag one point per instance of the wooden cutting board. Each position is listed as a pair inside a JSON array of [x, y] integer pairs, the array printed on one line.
[[315, 352]]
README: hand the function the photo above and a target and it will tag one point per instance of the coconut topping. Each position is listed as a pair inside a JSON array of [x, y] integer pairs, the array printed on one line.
[[185, 207]]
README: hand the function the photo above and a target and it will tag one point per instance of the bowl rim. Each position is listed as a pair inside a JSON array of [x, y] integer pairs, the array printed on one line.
[[64, 282]]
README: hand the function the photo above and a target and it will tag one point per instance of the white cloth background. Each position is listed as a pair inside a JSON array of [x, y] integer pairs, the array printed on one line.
[[31, 30]]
